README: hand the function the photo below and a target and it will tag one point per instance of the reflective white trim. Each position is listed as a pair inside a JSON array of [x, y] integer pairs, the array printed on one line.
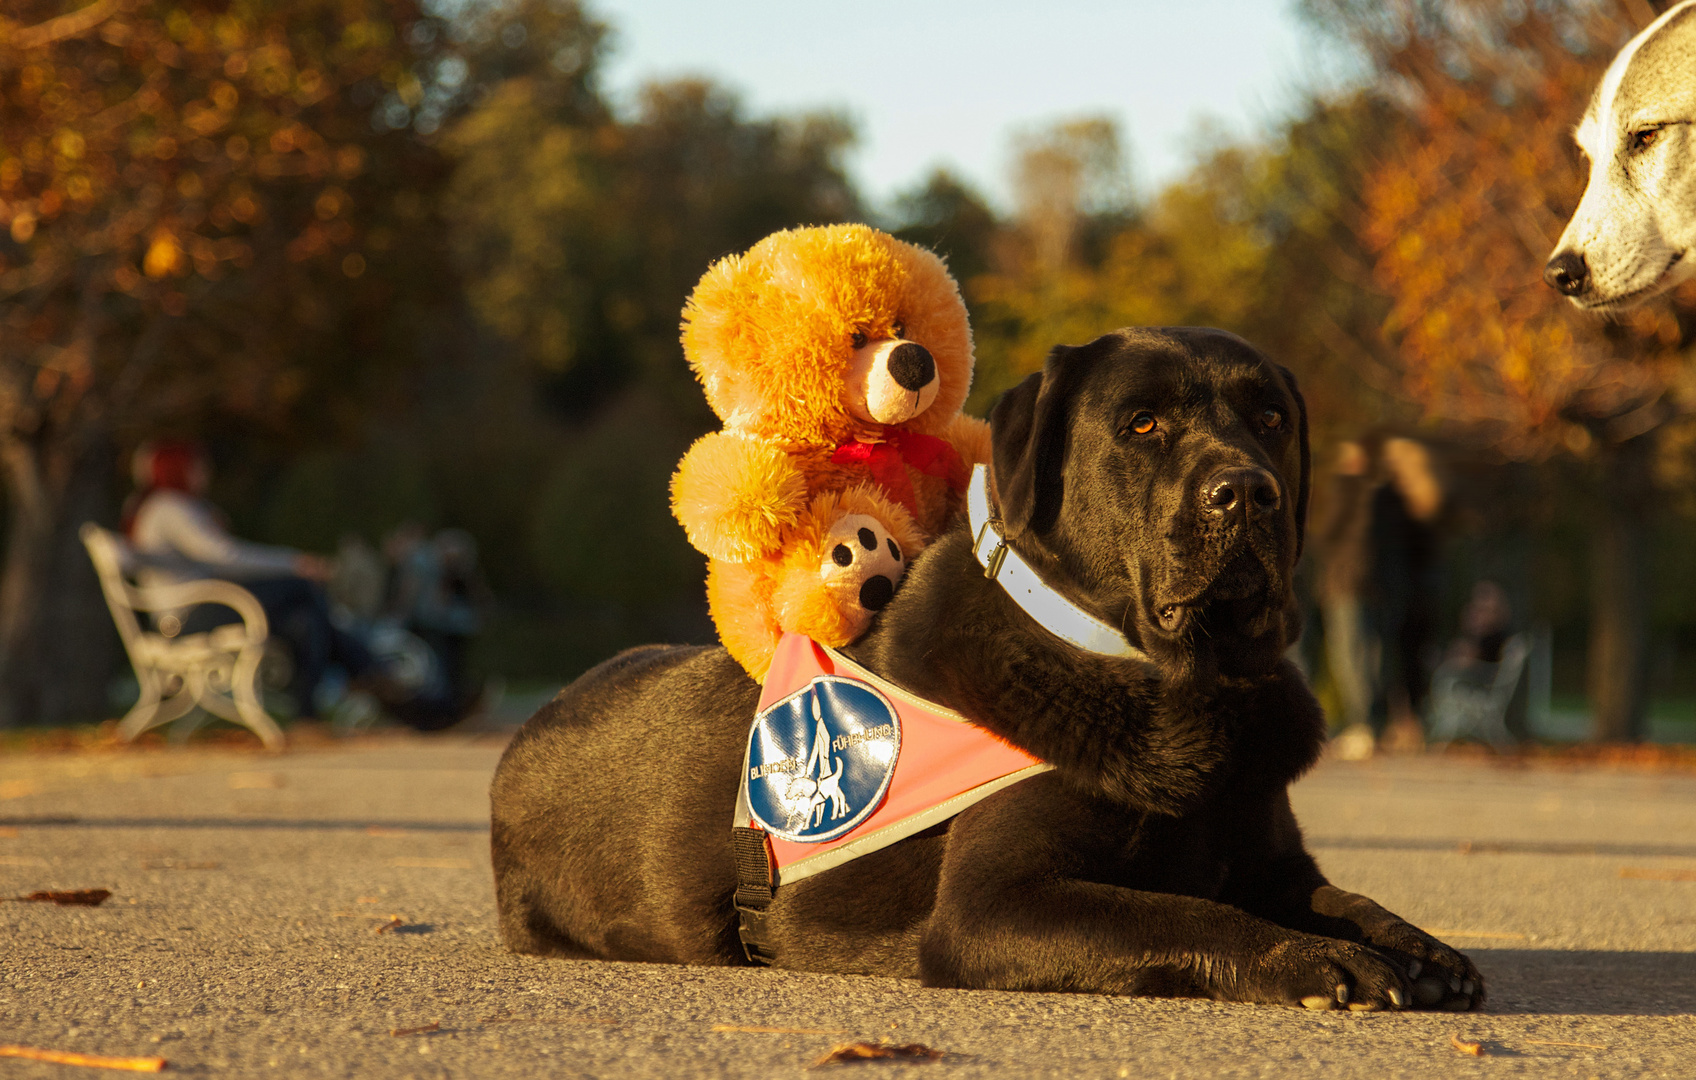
[[1058, 615]]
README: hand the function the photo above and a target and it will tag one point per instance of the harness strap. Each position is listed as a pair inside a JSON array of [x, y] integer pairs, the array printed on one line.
[[754, 891]]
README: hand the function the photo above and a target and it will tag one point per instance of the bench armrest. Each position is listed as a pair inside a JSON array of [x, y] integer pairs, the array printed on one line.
[[205, 591]]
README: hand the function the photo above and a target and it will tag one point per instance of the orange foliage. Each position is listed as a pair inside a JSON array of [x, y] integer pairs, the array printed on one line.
[[141, 135], [1462, 219]]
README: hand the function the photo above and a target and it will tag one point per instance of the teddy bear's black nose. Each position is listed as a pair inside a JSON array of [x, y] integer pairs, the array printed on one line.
[[911, 367]]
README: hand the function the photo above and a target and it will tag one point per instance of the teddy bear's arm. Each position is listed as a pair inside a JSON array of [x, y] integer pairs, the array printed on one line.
[[735, 494], [970, 438]]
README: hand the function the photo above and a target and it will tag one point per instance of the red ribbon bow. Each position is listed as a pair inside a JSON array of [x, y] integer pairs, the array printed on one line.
[[888, 461]]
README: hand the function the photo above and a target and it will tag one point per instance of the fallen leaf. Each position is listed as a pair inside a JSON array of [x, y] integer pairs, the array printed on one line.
[[97, 1061], [17, 789], [1645, 873], [865, 1051], [384, 830], [433, 1026], [8, 831], [1466, 1046], [1553, 1042], [394, 921], [779, 1030], [244, 781], [434, 864], [368, 900], [68, 898]]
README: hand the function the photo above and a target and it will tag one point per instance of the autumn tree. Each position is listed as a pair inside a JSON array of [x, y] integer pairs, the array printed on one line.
[[579, 235], [1255, 239], [1460, 216], [944, 213], [191, 193], [582, 235]]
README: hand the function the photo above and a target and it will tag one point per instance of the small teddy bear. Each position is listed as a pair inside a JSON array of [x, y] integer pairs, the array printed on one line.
[[838, 358]]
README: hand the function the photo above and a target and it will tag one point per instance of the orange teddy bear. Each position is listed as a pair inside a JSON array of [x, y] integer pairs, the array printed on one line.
[[838, 358]]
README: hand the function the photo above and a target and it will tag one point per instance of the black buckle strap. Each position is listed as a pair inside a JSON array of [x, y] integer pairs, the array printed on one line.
[[754, 891]]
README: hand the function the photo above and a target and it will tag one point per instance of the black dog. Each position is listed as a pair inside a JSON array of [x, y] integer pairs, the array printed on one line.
[[1157, 478]]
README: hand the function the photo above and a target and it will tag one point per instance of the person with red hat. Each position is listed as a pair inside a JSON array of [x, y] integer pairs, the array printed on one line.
[[180, 536]]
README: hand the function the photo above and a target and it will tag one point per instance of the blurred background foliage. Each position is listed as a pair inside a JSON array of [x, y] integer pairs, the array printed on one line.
[[401, 260]]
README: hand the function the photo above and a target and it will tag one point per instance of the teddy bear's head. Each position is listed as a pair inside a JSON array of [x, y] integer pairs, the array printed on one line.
[[830, 334]]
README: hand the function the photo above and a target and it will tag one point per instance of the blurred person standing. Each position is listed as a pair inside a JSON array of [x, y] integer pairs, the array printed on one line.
[[181, 536], [1378, 587], [1344, 538], [1405, 586]]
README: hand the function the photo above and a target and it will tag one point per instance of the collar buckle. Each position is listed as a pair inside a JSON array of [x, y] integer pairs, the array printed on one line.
[[991, 564]]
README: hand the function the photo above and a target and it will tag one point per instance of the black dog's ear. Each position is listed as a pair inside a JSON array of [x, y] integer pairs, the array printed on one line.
[[1305, 484], [1028, 433]]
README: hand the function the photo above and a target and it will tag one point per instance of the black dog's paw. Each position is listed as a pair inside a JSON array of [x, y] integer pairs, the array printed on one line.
[[1442, 978], [1324, 973]]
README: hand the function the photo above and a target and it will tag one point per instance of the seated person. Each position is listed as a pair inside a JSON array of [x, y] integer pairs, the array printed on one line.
[[1484, 625], [435, 594], [182, 537]]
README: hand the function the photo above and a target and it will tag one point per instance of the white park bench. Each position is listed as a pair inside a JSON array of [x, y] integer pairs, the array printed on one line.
[[1471, 698], [217, 671]]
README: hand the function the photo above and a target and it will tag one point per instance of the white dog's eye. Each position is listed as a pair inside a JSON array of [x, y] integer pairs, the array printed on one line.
[[1642, 140]]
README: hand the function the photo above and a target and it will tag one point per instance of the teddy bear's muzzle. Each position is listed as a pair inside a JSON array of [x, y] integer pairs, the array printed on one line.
[[895, 381]]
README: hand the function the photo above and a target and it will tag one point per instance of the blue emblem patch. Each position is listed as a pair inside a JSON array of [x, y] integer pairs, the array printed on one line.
[[820, 760]]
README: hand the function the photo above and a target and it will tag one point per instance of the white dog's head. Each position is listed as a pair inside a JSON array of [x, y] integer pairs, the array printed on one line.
[[1633, 233]]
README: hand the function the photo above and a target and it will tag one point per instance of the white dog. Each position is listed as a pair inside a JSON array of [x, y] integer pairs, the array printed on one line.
[[1636, 225]]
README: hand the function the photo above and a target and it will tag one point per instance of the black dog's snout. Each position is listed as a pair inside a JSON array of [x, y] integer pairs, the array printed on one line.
[[1567, 273], [911, 366], [1248, 489]]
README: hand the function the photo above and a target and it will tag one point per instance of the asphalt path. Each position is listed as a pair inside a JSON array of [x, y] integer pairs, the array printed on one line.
[[248, 890]]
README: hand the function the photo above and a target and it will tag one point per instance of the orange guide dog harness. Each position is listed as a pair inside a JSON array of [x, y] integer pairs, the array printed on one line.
[[841, 763]]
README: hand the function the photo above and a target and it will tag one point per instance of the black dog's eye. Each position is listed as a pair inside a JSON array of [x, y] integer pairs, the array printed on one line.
[[859, 339], [1642, 140], [1272, 418], [1141, 424]]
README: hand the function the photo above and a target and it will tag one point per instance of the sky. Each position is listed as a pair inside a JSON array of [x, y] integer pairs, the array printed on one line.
[[950, 82]]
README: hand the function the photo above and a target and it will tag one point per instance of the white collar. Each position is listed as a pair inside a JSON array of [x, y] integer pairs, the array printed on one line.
[[1002, 565]]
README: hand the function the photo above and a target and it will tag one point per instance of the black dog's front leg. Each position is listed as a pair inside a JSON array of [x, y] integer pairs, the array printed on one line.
[[1288, 888], [1016, 910]]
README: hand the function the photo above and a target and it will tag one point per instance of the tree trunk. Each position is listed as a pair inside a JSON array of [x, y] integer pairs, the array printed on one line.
[[80, 650], [29, 549], [1619, 600], [58, 649]]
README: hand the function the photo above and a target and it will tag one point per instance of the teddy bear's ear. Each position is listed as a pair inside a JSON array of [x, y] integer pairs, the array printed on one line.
[[715, 334]]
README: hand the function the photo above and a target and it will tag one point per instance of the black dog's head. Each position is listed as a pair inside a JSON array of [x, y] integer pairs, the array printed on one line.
[[1159, 477]]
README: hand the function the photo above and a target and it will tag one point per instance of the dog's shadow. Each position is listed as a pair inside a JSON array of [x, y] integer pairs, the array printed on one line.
[[1588, 982]]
